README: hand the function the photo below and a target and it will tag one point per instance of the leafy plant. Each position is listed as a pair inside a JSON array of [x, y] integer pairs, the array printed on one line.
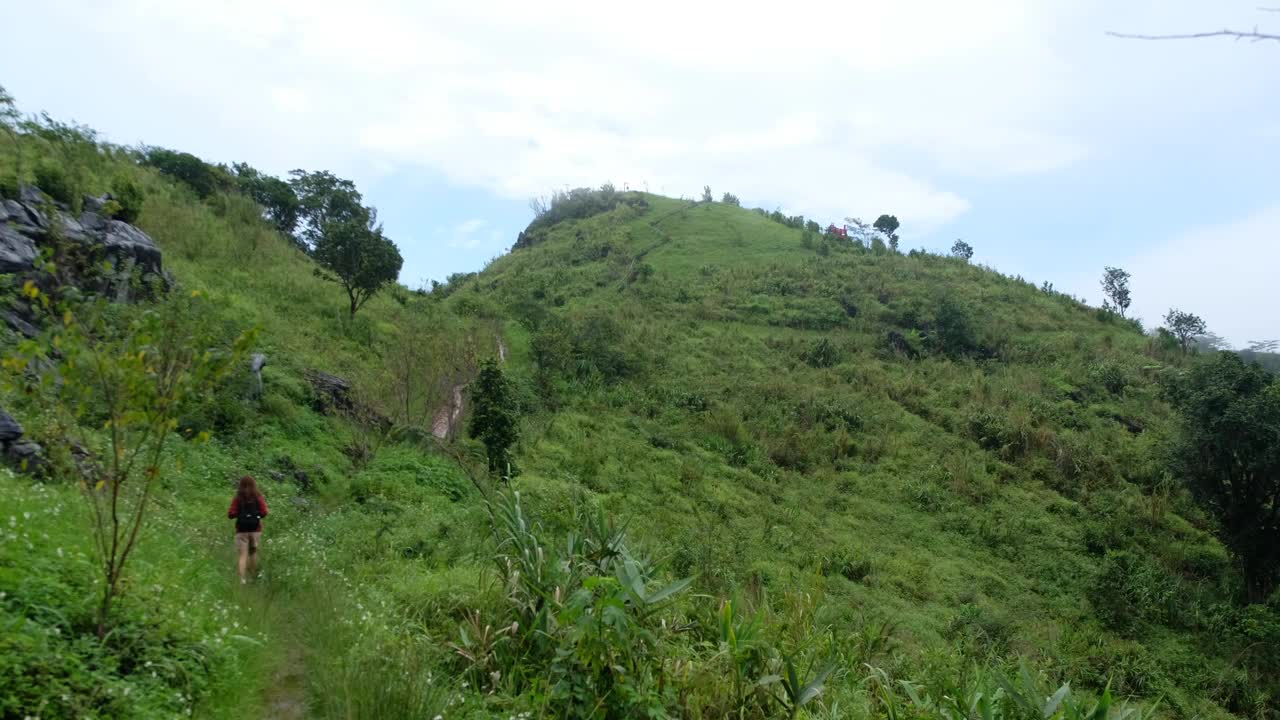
[[132, 381], [129, 198]]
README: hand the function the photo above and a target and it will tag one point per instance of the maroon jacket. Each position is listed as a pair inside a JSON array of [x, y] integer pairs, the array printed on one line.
[[235, 508]]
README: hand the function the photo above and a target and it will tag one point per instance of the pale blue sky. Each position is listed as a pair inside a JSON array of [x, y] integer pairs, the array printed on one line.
[[1053, 149]]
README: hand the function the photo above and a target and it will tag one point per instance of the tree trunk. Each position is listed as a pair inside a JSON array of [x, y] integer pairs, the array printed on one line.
[[104, 610]]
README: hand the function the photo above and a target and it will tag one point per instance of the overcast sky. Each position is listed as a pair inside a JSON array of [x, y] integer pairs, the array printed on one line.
[[1019, 126]]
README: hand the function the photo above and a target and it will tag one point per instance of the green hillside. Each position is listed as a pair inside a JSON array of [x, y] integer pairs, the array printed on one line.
[[903, 480]]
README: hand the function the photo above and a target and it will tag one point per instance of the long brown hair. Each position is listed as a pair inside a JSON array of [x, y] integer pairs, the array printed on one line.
[[248, 490]]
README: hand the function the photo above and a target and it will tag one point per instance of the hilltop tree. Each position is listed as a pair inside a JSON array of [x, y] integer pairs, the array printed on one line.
[[887, 224], [1115, 285], [1184, 326], [1229, 453], [326, 200], [361, 258], [493, 416], [730, 199], [962, 250], [706, 194]]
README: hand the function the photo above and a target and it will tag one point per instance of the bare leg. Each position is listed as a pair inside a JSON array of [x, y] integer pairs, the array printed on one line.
[[253, 562], [244, 559]]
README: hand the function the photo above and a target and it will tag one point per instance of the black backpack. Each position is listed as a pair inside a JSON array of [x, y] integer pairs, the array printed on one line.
[[249, 517]]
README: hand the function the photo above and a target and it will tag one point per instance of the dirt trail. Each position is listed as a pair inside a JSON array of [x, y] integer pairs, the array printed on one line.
[[286, 698]]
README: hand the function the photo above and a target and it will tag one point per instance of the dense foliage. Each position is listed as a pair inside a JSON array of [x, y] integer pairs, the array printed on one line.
[[1230, 454]]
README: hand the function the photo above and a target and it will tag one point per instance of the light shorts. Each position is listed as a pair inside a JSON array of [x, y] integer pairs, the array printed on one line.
[[250, 540]]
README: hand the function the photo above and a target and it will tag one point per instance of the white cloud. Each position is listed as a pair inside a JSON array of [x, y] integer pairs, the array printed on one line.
[[804, 108], [467, 234], [290, 99]]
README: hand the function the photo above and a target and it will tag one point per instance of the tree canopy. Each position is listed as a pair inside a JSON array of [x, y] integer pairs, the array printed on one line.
[[278, 200], [1184, 326], [325, 200], [1115, 285], [1229, 453], [493, 416], [360, 257]]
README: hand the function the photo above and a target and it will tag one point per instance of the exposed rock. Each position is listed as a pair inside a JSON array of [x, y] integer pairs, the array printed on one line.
[[95, 205], [332, 392], [10, 429], [18, 324], [123, 241], [256, 363], [17, 251], [26, 455], [25, 228], [119, 241], [30, 195]]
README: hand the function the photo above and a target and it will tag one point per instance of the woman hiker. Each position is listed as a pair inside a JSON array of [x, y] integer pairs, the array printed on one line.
[[248, 508]]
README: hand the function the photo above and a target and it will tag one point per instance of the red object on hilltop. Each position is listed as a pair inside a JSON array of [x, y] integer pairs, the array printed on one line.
[[837, 231]]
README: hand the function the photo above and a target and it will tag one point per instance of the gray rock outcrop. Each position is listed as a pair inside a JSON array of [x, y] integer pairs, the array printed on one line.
[[31, 223], [21, 453], [26, 224]]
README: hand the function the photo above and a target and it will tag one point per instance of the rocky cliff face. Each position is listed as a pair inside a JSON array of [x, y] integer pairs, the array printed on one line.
[[95, 252]]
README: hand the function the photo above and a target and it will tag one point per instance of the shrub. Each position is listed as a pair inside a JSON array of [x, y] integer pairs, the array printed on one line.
[[953, 331], [1110, 375], [9, 186], [731, 199], [187, 169], [128, 197], [822, 354], [990, 430], [56, 182], [852, 566], [1132, 590]]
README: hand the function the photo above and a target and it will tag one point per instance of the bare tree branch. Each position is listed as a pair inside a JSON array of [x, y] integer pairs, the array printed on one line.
[[1253, 36]]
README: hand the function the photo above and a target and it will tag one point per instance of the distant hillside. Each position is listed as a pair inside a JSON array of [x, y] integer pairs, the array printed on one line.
[[913, 439]]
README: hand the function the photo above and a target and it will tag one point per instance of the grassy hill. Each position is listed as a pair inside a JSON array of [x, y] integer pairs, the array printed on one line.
[[873, 467]]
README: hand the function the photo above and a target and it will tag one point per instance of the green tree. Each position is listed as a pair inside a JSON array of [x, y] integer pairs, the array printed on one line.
[[325, 200], [279, 202], [887, 224], [1115, 285], [138, 377], [1184, 326], [731, 199], [962, 250], [360, 258], [185, 167], [706, 194], [1229, 453], [493, 416]]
